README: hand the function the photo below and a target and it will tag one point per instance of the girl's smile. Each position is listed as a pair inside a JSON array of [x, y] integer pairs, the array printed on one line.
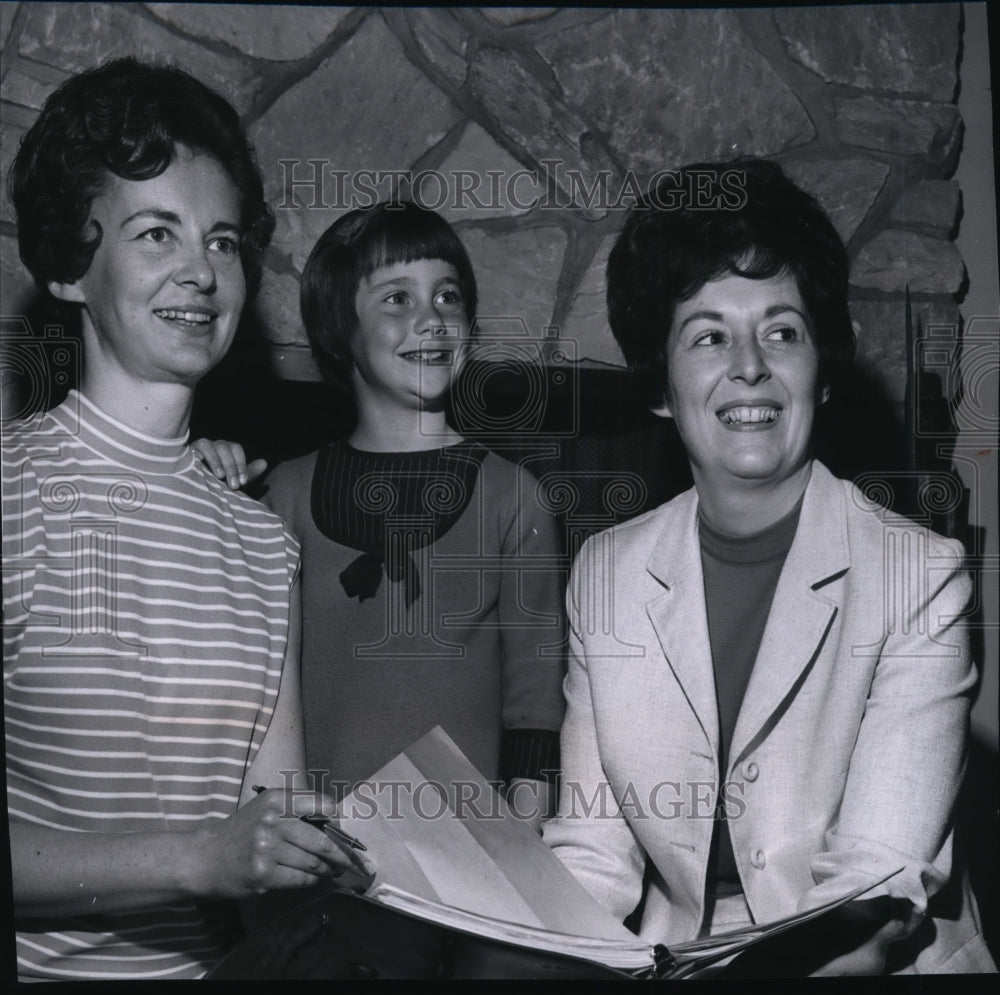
[[411, 327]]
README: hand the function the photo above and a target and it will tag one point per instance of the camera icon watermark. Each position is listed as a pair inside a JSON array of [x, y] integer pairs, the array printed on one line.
[[929, 494], [966, 365], [36, 370], [513, 383]]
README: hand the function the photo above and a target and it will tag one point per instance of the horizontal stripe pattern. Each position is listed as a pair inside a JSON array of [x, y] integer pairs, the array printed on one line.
[[145, 624]]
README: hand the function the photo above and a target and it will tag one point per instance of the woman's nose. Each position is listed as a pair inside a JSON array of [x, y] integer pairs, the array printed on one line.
[[196, 270], [748, 362]]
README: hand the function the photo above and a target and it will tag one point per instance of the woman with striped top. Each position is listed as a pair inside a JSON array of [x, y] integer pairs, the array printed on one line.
[[150, 614]]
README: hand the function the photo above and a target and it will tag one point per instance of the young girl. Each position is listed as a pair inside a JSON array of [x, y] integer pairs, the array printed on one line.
[[431, 576]]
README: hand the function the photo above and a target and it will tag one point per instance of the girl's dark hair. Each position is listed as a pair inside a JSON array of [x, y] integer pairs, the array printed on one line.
[[706, 220], [127, 118], [352, 248]]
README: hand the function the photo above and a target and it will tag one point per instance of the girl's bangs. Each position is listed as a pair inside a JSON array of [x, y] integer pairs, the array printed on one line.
[[406, 243]]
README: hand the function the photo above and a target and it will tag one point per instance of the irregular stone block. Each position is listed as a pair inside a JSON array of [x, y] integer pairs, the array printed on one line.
[[906, 48], [17, 288], [672, 86], [900, 127], [22, 87], [895, 259], [14, 122], [75, 36], [929, 204], [266, 31], [509, 16], [438, 36], [846, 188], [587, 321], [536, 120], [8, 11], [359, 122], [483, 180], [517, 275]]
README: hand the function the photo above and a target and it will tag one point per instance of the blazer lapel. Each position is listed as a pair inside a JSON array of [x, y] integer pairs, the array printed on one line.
[[800, 615], [678, 615]]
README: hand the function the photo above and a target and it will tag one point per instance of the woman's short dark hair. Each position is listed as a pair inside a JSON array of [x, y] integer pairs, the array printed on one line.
[[704, 221], [352, 248], [125, 117]]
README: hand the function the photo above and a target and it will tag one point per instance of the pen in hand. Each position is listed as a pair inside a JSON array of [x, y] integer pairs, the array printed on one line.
[[322, 823]]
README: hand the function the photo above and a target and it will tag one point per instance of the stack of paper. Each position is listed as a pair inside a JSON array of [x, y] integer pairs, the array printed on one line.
[[438, 831], [449, 850]]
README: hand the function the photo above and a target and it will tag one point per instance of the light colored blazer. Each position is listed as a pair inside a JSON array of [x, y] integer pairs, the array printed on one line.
[[848, 750]]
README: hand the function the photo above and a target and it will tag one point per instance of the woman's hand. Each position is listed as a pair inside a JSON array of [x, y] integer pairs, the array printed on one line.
[[851, 940], [864, 931], [266, 846], [228, 461], [262, 846]]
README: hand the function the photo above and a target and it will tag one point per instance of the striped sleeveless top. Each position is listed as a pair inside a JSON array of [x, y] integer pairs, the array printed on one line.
[[145, 623]]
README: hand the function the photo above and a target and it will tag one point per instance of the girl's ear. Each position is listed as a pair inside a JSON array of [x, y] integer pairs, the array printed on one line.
[[71, 292]]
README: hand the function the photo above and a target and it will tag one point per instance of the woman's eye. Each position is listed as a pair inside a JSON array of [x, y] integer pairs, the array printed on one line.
[[155, 235], [226, 245], [450, 297], [785, 333], [396, 297], [713, 337]]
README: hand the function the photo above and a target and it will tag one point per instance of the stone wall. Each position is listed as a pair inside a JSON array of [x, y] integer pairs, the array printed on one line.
[[532, 129]]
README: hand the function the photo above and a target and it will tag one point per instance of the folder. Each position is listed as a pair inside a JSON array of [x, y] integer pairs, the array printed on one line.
[[465, 888]]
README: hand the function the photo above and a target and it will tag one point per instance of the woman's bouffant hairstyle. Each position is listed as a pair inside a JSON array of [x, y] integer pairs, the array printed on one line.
[[352, 248], [127, 118], [711, 219]]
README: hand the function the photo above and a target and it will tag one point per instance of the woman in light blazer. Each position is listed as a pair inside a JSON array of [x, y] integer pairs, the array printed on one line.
[[769, 685]]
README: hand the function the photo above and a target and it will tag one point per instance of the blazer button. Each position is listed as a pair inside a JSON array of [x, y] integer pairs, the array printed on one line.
[[750, 770], [757, 859]]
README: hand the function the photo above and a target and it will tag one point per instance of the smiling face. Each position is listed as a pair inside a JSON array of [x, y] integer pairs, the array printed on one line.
[[411, 325], [743, 382], [163, 294]]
